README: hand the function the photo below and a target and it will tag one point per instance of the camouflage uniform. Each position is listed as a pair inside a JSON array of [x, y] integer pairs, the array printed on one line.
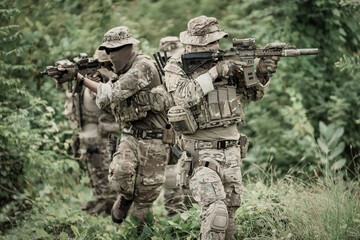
[[175, 197], [137, 170], [91, 144], [207, 113]]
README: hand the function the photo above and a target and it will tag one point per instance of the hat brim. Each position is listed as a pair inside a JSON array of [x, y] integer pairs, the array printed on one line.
[[118, 43], [172, 52], [201, 40]]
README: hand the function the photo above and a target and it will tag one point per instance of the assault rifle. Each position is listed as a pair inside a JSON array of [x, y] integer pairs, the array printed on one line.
[[82, 63], [244, 51]]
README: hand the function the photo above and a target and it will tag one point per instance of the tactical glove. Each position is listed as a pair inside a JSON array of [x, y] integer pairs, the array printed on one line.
[[69, 75], [269, 64], [67, 71], [224, 68]]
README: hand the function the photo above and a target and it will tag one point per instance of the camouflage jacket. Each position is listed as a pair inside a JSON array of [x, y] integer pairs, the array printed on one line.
[[126, 94]]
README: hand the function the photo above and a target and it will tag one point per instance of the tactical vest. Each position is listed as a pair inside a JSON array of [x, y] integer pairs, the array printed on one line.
[[153, 97], [219, 108]]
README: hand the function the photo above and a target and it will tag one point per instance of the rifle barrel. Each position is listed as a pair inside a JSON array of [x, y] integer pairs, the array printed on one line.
[[298, 52]]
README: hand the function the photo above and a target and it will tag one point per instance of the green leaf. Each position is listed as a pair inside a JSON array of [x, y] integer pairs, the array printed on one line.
[[75, 230], [338, 165], [324, 148], [323, 128], [63, 236], [41, 233], [337, 151], [336, 137]]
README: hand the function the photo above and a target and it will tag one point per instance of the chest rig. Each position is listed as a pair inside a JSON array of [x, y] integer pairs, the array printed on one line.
[[219, 108], [133, 108], [136, 106]]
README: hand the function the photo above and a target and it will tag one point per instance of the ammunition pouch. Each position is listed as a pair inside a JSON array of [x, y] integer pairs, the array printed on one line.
[[220, 108], [133, 108], [183, 169], [244, 144], [168, 135], [182, 120]]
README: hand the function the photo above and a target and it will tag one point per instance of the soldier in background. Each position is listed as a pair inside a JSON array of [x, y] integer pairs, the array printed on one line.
[[208, 111], [90, 144], [176, 198], [171, 45]]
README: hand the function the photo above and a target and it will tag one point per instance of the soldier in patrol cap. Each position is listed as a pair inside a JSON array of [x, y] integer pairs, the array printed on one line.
[[208, 111], [138, 165], [90, 144]]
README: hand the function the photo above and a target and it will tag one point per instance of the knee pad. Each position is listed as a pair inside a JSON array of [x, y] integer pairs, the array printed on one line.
[[218, 216], [207, 187]]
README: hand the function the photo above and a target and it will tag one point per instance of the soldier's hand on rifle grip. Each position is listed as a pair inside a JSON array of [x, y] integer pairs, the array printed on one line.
[[69, 75], [96, 77], [267, 65]]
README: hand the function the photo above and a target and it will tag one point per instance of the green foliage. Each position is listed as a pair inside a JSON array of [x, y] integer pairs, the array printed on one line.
[[293, 209], [12, 136], [29, 145], [349, 63], [46, 187], [331, 146]]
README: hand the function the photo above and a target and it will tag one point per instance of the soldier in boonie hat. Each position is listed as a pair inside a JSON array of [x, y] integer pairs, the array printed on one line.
[[171, 45], [117, 37], [101, 55], [202, 31]]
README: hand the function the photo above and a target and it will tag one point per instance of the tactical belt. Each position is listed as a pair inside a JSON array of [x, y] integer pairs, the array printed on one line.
[[199, 144], [142, 133]]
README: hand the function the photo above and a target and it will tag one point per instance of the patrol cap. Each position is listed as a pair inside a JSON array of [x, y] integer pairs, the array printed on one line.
[[117, 37], [170, 44], [202, 31]]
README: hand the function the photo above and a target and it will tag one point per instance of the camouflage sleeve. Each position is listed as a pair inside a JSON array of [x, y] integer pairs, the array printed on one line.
[[137, 78], [185, 91]]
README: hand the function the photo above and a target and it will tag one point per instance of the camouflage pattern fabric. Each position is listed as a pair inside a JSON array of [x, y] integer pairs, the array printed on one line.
[[137, 171], [216, 180], [176, 198], [138, 166], [82, 112], [218, 192]]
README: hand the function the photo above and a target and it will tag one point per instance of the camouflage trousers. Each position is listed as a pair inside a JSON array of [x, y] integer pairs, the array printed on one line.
[[97, 161], [176, 198], [216, 185], [137, 171]]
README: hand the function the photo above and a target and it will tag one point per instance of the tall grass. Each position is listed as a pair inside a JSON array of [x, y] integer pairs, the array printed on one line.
[[328, 208]]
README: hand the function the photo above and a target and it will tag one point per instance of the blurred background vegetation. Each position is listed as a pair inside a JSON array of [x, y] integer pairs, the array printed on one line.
[[306, 128]]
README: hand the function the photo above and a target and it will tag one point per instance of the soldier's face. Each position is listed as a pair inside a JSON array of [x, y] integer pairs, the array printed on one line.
[[211, 47], [120, 57]]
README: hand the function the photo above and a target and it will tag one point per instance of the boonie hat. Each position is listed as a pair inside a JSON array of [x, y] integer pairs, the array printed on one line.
[[117, 37], [170, 45], [202, 31]]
